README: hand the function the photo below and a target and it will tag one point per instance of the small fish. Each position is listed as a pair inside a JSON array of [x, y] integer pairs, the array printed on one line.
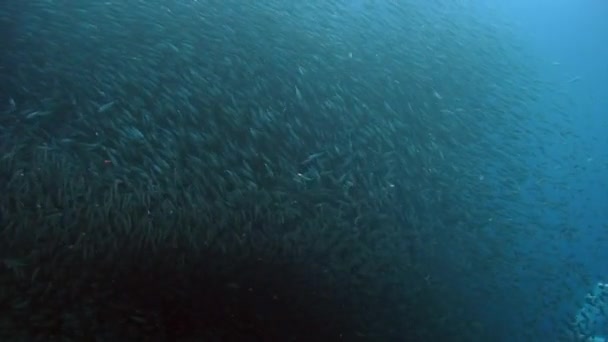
[[312, 157], [268, 170], [12, 105], [298, 177], [574, 79], [105, 107], [437, 95], [12, 263], [233, 285], [37, 113]]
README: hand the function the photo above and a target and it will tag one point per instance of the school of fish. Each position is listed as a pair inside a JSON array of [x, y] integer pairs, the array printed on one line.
[[266, 171]]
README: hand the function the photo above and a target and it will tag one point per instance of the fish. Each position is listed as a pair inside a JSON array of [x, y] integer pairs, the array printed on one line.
[[105, 107], [312, 157], [37, 113], [574, 79], [351, 146]]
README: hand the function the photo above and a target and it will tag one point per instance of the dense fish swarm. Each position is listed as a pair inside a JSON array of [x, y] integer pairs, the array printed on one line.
[[253, 170]]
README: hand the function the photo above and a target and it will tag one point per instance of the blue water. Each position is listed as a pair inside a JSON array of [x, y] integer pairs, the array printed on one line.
[[555, 250], [560, 246], [569, 38]]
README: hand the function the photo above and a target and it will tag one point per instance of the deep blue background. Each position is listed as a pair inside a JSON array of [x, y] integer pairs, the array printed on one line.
[[565, 198], [564, 204], [570, 40]]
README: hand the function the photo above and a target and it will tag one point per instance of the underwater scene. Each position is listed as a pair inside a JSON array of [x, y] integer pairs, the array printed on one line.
[[205, 170]]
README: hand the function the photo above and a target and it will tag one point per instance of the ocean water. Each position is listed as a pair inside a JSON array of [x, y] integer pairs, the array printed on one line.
[[563, 259], [303, 171]]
